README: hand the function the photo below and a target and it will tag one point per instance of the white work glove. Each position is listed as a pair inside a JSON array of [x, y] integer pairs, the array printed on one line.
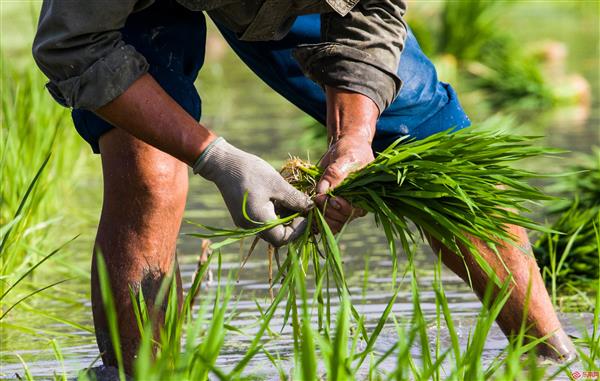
[[236, 172]]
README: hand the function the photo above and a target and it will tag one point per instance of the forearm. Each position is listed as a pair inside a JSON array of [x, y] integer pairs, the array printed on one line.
[[147, 112], [350, 114]]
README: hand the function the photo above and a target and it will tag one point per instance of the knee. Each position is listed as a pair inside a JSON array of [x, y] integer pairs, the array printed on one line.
[[160, 184], [140, 177], [145, 182]]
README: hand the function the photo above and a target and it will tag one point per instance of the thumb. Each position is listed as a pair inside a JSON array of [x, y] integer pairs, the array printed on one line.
[[332, 177], [282, 235]]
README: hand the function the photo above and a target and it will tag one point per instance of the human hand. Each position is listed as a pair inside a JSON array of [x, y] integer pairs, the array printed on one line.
[[351, 119], [346, 155], [236, 173]]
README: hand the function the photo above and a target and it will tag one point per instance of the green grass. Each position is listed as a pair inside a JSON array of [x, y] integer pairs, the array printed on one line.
[[568, 260], [39, 165]]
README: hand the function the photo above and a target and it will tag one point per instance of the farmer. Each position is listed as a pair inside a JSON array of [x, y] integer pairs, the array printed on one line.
[[127, 69]]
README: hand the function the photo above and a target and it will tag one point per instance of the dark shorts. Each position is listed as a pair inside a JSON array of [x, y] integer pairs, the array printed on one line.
[[172, 39]]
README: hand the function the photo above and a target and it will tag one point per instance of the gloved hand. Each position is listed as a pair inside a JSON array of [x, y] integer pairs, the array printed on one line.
[[236, 172]]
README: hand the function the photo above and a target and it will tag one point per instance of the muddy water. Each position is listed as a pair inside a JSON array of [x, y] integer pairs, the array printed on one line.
[[252, 117]]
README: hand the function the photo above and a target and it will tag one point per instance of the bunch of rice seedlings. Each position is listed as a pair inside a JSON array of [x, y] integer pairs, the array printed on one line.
[[511, 79], [453, 186], [570, 258], [467, 26], [471, 32]]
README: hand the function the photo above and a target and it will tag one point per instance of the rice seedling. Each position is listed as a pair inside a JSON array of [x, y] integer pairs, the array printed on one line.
[[467, 26], [589, 348], [454, 359], [569, 260], [39, 165], [34, 185], [471, 32], [62, 376], [512, 80], [7, 254], [330, 353], [58, 375], [13, 286]]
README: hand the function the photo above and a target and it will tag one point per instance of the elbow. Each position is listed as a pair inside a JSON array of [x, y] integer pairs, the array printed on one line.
[[47, 53], [38, 48], [44, 56], [41, 53]]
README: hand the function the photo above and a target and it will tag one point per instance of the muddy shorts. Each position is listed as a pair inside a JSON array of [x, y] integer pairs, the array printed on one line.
[[172, 38]]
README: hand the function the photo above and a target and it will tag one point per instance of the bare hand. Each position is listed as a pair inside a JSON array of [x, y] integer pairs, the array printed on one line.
[[345, 156], [351, 119]]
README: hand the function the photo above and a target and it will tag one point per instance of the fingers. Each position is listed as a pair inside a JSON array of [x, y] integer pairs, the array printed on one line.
[[335, 207], [293, 199], [331, 178], [284, 234], [337, 211], [359, 212]]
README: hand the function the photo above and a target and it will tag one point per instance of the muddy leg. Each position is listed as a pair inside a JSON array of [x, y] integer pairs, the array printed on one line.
[[519, 260], [144, 199]]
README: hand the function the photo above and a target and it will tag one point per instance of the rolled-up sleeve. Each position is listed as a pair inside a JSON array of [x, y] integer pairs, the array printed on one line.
[[79, 47], [360, 50]]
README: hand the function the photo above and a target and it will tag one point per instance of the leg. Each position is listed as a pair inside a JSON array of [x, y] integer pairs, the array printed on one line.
[[144, 189], [144, 198], [541, 318]]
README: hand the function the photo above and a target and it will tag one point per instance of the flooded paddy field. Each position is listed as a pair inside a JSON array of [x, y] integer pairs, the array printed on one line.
[[252, 117]]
